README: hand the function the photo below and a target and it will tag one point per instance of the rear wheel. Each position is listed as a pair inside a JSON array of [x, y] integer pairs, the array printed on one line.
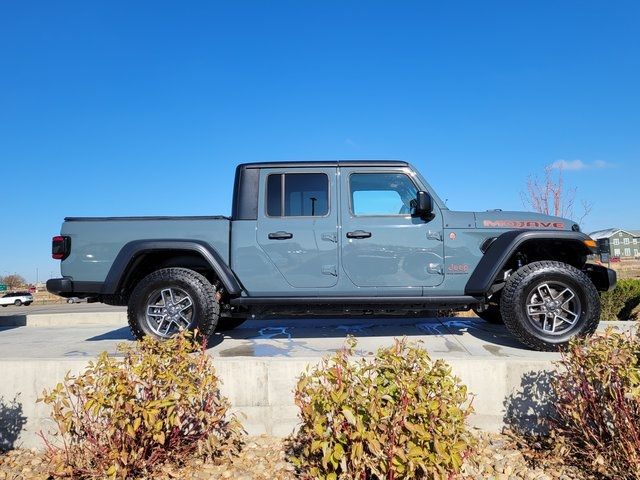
[[171, 300], [17, 303], [545, 304]]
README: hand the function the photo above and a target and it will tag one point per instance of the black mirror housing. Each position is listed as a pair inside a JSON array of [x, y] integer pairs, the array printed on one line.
[[423, 205]]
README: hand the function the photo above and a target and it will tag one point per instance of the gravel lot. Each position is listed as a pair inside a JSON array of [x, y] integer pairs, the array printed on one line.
[[263, 459]]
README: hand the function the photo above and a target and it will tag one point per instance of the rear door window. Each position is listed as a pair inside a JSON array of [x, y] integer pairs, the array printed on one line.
[[298, 195]]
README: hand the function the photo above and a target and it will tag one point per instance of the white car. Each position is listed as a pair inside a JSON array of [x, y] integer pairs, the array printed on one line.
[[17, 299]]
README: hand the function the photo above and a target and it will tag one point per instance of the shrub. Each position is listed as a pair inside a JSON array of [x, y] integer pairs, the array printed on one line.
[[126, 417], [621, 303], [398, 416], [597, 419]]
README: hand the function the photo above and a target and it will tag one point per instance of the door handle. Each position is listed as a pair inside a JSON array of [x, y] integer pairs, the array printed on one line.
[[359, 234], [280, 235]]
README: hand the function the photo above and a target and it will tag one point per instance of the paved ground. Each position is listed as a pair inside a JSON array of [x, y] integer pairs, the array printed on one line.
[[95, 328], [303, 337]]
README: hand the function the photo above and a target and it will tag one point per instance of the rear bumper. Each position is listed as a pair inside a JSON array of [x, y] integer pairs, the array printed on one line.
[[603, 278], [65, 287], [59, 286]]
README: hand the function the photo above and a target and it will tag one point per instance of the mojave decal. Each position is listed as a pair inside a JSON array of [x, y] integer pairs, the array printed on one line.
[[522, 224]]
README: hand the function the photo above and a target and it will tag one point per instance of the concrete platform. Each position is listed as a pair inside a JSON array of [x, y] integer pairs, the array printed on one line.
[[62, 315], [260, 362]]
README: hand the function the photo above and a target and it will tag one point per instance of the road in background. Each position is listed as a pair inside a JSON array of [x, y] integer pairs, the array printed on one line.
[[11, 310]]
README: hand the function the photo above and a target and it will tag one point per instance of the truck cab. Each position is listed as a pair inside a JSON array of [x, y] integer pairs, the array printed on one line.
[[323, 229], [346, 237]]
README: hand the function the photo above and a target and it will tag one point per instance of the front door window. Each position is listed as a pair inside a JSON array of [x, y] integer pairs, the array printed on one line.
[[381, 194]]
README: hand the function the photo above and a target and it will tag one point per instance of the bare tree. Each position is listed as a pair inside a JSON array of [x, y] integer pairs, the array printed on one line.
[[13, 281], [551, 196]]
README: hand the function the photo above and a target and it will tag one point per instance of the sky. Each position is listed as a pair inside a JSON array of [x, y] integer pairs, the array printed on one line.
[[145, 108]]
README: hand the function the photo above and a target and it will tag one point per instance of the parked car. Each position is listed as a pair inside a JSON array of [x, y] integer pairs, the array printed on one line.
[[76, 300], [17, 299], [339, 237]]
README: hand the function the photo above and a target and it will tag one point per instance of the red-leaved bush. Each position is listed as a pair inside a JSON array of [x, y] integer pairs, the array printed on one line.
[[597, 416], [399, 416], [123, 418]]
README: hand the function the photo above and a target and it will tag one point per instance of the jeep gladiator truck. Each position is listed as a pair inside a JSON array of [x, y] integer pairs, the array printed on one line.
[[339, 237]]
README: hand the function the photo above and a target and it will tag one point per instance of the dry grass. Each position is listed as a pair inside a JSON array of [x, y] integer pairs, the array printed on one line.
[[626, 268]]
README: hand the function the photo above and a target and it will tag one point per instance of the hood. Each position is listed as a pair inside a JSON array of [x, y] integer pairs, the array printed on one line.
[[497, 219]]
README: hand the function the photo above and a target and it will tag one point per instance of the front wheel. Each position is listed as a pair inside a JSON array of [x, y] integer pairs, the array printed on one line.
[[17, 303], [171, 300], [545, 304]]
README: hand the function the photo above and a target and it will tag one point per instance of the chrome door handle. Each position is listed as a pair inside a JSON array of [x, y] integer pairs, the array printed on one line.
[[280, 235], [359, 234]]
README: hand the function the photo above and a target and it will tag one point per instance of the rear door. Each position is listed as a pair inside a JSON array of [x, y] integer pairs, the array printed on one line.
[[382, 244], [298, 224]]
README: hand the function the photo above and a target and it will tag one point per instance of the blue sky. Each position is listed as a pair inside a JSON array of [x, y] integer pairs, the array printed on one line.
[[136, 108]]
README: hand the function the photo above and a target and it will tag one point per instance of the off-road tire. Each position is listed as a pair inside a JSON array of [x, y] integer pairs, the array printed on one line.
[[229, 323], [17, 303], [524, 280], [491, 313], [203, 293]]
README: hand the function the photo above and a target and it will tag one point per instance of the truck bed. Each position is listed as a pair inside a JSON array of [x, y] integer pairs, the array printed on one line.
[[96, 241]]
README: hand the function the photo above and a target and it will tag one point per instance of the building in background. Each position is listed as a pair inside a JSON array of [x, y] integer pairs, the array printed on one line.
[[616, 242]]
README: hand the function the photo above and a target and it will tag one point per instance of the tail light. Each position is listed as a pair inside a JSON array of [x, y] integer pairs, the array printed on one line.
[[60, 247]]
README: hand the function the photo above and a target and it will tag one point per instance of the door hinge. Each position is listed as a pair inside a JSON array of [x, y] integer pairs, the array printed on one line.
[[330, 237], [431, 235], [330, 270], [435, 269]]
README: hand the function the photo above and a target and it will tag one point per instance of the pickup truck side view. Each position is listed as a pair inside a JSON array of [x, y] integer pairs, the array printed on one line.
[[338, 237]]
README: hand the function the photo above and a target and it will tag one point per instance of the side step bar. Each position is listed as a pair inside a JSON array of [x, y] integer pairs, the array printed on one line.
[[426, 301]]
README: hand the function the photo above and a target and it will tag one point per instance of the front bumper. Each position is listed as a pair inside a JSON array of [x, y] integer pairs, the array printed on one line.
[[603, 278]]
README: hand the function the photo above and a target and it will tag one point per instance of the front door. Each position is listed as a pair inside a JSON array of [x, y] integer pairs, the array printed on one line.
[[382, 244], [298, 225]]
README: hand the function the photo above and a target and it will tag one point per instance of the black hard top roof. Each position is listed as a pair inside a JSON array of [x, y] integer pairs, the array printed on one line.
[[326, 163]]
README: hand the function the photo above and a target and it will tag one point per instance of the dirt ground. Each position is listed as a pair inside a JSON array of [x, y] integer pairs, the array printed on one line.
[[626, 268]]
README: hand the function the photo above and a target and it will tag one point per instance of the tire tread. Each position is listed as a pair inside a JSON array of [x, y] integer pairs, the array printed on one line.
[[510, 298], [205, 292]]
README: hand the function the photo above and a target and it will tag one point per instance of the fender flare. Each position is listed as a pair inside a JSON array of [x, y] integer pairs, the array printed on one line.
[[129, 252], [504, 246]]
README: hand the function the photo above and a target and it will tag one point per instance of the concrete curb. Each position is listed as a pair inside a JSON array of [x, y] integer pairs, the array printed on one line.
[[260, 390]]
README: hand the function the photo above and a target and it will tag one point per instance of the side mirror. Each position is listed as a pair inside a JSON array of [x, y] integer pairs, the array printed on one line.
[[423, 206]]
